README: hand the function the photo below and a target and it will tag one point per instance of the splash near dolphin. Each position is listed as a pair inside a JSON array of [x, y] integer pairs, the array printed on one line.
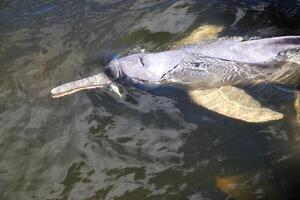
[[203, 68]]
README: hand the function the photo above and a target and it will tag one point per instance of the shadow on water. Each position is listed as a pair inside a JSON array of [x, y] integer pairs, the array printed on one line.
[[95, 145]]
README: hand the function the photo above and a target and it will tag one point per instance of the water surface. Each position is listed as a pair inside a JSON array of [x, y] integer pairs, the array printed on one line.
[[94, 145]]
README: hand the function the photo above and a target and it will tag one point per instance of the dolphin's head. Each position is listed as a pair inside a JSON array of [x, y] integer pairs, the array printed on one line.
[[146, 67], [129, 66]]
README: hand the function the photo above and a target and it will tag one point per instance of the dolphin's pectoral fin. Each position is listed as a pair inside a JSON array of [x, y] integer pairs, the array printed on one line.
[[96, 81], [235, 103]]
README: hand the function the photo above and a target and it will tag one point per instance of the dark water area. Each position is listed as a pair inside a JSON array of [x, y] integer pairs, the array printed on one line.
[[96, 145]]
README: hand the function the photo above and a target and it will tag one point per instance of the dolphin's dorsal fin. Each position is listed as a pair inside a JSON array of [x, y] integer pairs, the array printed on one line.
[[248, 51], [235, 103]]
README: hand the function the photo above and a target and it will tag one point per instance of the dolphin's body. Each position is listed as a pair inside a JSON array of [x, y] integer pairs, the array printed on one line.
[[206, 65]]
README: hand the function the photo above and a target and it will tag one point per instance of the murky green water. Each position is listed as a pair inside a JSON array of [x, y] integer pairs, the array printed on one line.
[[94, 145]]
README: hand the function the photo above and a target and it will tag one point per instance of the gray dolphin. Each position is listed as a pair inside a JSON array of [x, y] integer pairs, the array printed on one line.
[[206, 65], [217, 62]]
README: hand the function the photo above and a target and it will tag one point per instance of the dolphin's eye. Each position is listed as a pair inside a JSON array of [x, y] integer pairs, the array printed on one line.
[[141, 60]]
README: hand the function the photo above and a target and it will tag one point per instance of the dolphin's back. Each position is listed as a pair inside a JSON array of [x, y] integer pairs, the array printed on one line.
[[251, 51]]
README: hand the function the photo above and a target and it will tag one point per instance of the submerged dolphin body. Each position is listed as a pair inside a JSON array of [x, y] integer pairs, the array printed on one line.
[[206, 65]]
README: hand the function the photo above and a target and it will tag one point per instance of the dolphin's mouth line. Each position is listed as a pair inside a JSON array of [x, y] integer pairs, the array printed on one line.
[[73, 87], [70, 88], [57, 94], [96, 81]]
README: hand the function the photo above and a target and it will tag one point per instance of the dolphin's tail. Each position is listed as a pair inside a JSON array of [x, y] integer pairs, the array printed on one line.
[[96, 81], [290, 55]]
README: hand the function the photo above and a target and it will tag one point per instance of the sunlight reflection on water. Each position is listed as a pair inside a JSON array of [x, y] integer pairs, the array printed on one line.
[[94, 145]]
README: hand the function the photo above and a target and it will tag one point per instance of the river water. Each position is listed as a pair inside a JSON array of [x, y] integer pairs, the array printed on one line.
[[96, 145]]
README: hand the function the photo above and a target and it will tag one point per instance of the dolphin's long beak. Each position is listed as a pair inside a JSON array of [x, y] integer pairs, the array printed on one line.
[[96, 81]]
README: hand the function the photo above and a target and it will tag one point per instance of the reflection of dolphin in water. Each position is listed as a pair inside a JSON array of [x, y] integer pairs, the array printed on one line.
[[210, 67]]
